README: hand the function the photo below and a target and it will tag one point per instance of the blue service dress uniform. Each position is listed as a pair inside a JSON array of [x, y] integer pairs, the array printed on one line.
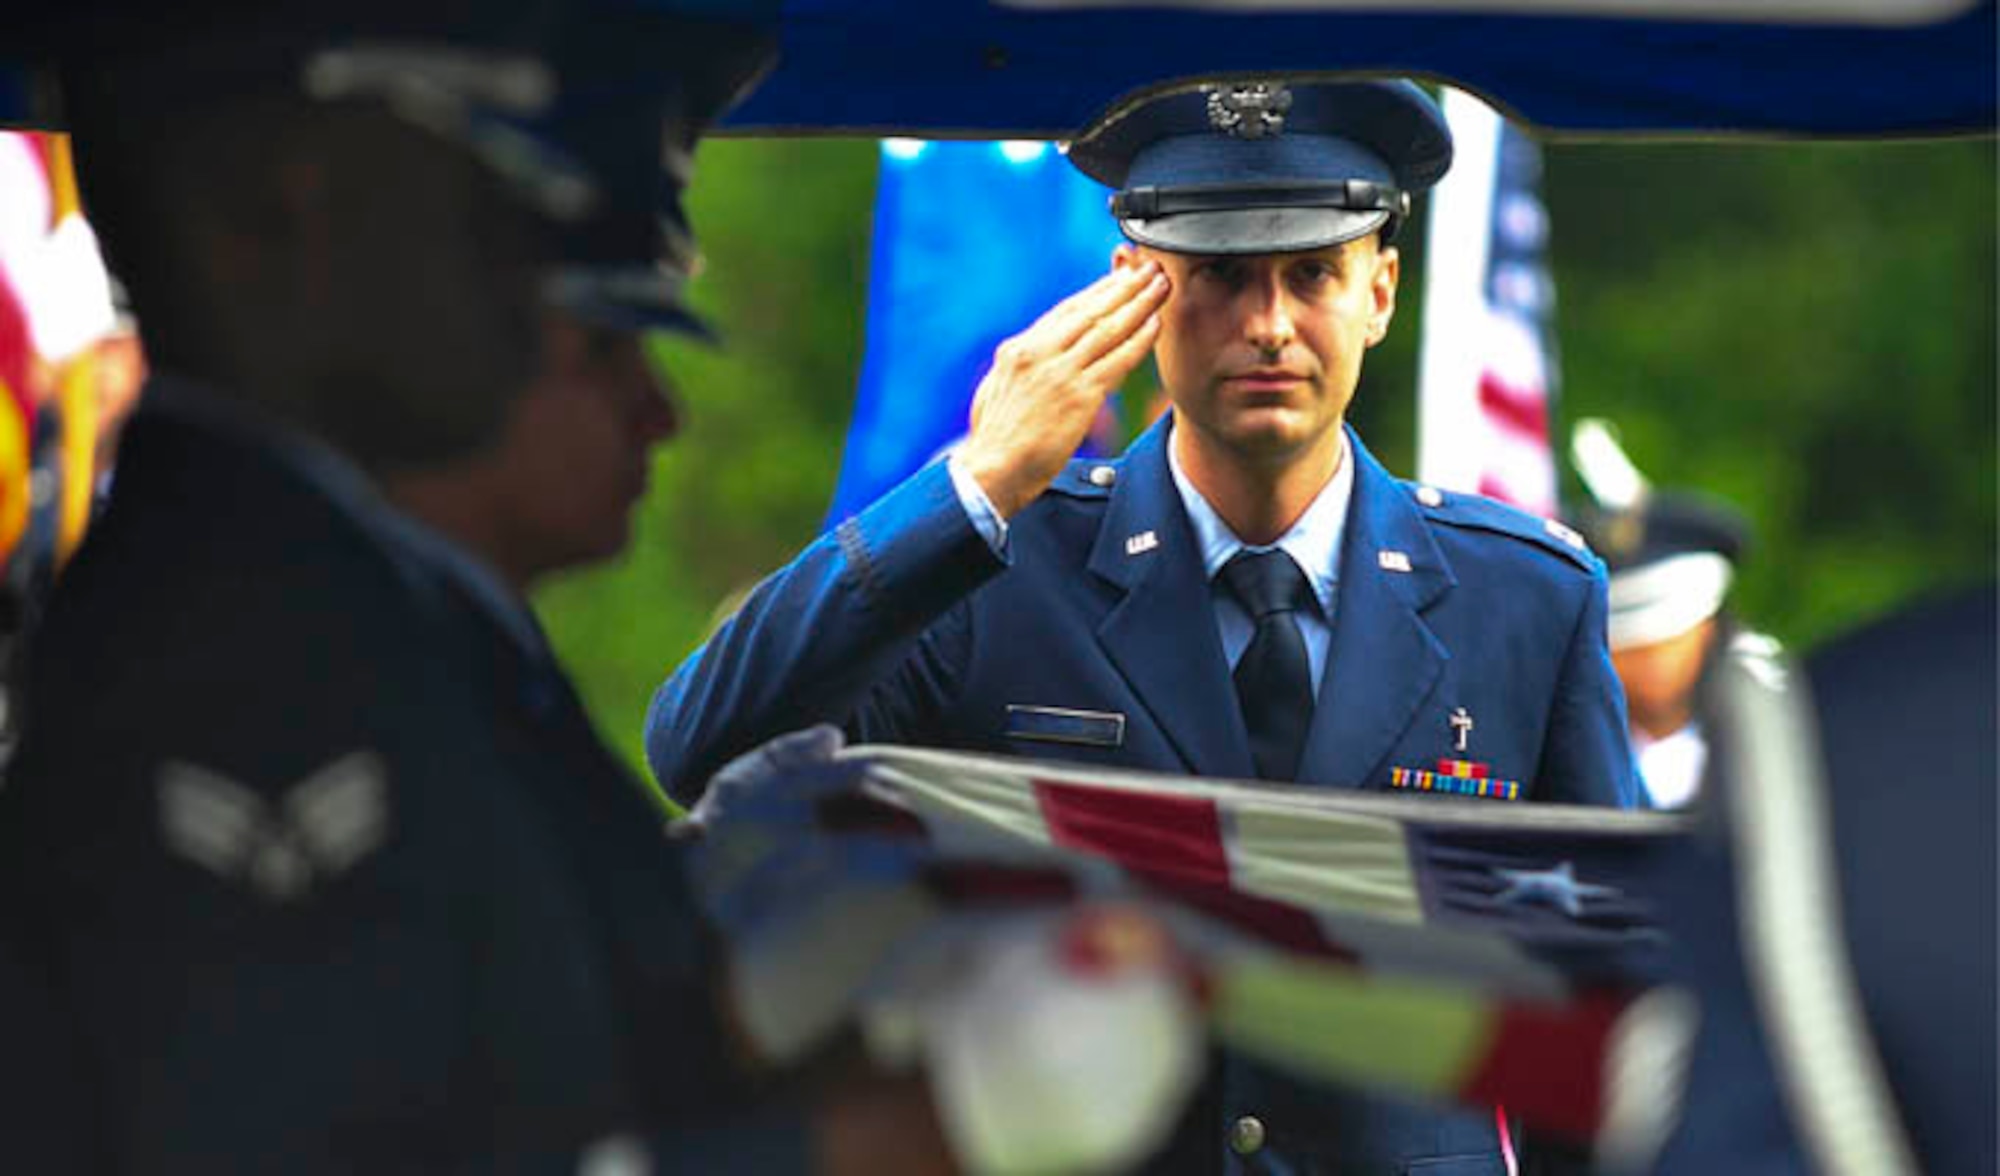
[[1906, 721], [328, 871], [1094, 640]]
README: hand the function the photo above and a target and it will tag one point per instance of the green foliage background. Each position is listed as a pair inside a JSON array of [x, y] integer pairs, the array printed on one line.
[[1806, 329]]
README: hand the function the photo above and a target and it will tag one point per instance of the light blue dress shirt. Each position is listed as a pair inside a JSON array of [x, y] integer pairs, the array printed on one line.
[[1313, 543]]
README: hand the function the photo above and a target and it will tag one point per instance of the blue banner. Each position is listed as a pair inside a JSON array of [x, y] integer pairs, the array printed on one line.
[[973, 241]]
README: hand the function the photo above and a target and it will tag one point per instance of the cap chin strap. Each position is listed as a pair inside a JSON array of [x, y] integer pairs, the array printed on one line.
[[1146, 203]]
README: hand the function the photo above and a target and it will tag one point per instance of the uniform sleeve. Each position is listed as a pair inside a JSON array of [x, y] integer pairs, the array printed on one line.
[[978, 507], [847, 633], [1587, 757]]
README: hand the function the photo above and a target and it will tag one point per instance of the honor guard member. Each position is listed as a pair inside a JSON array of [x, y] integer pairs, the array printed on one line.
[[1246, 592], [310, 846], [1672, 558], [1837, 927]]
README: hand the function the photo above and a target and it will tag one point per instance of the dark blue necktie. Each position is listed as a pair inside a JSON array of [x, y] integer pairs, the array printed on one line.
[[1274, 677]]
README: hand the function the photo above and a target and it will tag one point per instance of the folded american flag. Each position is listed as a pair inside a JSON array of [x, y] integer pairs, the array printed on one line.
[[1441, 947]]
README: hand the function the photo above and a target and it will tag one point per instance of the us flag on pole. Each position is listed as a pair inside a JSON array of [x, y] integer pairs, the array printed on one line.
[[1488, 371]]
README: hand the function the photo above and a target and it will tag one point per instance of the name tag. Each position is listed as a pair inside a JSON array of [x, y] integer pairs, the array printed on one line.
[[1053, 724]]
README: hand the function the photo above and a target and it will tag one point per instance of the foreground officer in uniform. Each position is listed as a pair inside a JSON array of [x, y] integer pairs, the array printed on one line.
[[1246, 593], [321, 859]]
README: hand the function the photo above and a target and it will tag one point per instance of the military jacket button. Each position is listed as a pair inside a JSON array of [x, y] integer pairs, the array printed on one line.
[[1246, 1135], [1103, 475], [1430, 496]]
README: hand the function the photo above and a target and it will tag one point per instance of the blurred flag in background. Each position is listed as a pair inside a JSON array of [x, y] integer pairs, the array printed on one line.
[[70, 371], [1488, 373], [58, 287], [972, 242]]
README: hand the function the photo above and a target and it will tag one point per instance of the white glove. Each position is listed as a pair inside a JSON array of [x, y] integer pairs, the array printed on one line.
[[756, 781], [1070, 1045]]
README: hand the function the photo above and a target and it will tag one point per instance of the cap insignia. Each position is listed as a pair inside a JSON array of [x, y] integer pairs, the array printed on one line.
[[1626, 533], [1255, 111]]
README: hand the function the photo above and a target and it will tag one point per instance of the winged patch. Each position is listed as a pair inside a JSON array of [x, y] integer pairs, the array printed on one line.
[[315, 831]]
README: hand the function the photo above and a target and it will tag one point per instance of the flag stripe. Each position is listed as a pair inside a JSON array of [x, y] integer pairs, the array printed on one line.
[[1336, 1023], [1156, 834], [1334, 861], [1546, 1062], [1522, 409]]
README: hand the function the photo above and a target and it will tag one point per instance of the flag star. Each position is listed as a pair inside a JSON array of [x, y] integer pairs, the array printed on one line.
[[1555, 887]]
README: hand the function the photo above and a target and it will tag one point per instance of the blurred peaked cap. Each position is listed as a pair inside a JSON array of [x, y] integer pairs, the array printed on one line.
[[533, 88], [1265, 165], [640, 89], [590, 111], [1672, 560], [1666, 524], [629, 298]]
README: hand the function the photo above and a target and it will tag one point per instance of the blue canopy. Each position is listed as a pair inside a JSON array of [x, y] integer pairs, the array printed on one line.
[[1044, 68]]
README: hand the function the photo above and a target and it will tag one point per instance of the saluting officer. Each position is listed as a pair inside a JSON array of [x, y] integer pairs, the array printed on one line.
[[311, 853], [1246, 592]]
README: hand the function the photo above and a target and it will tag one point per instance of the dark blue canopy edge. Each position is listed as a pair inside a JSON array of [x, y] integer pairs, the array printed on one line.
[[946, 68], [966, 68]]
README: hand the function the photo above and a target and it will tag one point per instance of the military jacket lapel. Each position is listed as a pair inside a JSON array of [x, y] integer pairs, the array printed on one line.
[[1161, 636], [1384, 660]]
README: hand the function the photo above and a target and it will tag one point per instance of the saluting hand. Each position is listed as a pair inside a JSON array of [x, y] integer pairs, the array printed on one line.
[[1035, 406]]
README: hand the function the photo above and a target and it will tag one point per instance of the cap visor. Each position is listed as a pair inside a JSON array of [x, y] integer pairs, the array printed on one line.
[[626, 316], [1253, 230]]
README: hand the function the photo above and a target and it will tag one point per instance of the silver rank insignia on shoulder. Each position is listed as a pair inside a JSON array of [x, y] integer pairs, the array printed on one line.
[[1565, 533], [316, 830], [1141, 543], [1254, 111], [1393, 561]]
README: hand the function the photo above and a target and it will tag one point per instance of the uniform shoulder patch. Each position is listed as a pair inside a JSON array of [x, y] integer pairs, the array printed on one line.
[[281, 846], [1484, 514], [1087, 478]]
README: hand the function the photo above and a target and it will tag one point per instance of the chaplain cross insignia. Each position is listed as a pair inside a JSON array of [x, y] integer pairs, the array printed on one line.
[[1461, 724], [1254, 111]]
